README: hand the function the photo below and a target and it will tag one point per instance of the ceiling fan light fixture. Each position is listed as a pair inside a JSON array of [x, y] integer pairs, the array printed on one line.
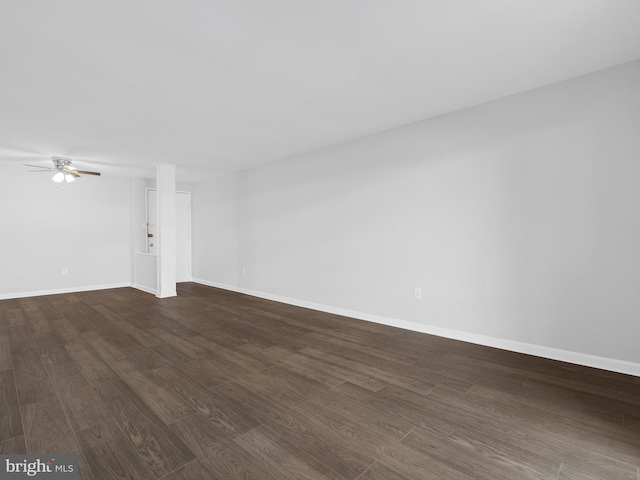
[[58, 177], [69, 178]]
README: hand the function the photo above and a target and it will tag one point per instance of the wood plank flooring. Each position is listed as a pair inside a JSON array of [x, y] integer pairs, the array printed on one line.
[[217, 385]]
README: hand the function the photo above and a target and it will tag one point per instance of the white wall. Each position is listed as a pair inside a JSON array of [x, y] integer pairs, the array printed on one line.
[[214, 231], [84, 226], [519, 219]]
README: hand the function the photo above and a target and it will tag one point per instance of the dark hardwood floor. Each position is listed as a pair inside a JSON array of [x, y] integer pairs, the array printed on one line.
[[217, 385]]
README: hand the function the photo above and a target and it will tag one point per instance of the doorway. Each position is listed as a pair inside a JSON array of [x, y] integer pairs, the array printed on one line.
[[183, 231]]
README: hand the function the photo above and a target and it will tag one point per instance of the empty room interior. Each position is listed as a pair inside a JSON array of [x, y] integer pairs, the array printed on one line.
[[354, 240]]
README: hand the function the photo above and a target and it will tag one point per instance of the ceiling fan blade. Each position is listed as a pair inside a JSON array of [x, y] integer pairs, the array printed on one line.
[[73, 173], [85, 172], [36, 166]]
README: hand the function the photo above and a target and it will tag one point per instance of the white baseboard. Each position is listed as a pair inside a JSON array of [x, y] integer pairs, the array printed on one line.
[[56, 291], [613, 365], [152, 291]]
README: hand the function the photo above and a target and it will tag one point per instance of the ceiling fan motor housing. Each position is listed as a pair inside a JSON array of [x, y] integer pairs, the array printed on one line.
[[61, 162]]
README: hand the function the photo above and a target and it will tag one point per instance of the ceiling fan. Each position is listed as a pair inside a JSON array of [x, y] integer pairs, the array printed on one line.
[[63, 170]]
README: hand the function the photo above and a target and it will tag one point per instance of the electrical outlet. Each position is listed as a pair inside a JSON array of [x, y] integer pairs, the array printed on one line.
[[65, 270], [417, 292]]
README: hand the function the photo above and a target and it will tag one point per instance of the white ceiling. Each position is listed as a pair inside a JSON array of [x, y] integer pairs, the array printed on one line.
[[220, 85]]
